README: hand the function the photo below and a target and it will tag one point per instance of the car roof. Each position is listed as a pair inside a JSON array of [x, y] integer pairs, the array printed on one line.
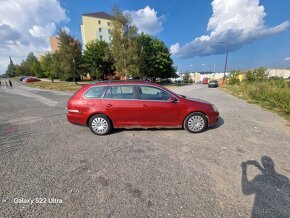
[[124, 82], [121, 82]]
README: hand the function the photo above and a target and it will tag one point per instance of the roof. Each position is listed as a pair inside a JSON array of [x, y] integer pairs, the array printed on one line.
[[126, 82], [101, 15]]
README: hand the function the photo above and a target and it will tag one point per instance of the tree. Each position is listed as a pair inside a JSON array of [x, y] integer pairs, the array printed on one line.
[[56, 70], [24, 68], [46, 63], [187, 78], [70, 57], [98, 59], [18, 70], [124, 45], [50, 65], [31, 66], [258, 74], [10, 72], [155, 60]]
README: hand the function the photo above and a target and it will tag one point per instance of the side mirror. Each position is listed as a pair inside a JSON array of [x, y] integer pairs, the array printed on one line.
[[172, 99]]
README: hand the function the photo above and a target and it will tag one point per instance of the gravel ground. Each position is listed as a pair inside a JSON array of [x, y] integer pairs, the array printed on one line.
[[68, 171]]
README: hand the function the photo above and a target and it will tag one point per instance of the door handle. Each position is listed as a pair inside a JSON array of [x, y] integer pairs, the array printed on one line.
[[109, 105], [144, 106]]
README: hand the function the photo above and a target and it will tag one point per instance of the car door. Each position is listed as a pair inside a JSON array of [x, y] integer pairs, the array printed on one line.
[[121, 105], [156, 109]]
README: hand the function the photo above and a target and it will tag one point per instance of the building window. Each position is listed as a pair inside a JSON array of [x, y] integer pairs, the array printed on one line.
[[99, 22], [100, 29], [109, 31], [110, 38], [101, 37], [109, 24]]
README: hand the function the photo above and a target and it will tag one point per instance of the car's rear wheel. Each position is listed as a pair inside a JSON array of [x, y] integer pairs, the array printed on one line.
[[195, 122], [100, 124]]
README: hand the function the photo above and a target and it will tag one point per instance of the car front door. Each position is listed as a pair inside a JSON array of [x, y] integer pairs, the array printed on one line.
[[156, 109]]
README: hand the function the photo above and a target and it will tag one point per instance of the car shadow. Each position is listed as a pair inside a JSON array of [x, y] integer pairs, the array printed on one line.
[[142, 129], [271, 189], [218, 124]]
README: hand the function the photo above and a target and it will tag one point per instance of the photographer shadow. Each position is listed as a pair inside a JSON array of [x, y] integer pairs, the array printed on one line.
[[272, 190]]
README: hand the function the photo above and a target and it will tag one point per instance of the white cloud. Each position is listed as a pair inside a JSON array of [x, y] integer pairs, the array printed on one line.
[[147, 20], [287, 59], [237, 22], [66, 29], [25, 26]]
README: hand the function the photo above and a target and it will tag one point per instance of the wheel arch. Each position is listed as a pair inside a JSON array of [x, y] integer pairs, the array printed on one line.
[[192, 113], [96, 113]]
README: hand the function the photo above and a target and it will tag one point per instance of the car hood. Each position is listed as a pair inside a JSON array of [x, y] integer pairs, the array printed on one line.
[[199, 100]]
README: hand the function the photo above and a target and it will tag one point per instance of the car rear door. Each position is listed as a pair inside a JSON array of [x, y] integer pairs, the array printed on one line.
[[121, 105]]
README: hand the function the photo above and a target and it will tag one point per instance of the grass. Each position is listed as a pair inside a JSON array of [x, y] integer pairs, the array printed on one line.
[[270, 94], [60, 86]]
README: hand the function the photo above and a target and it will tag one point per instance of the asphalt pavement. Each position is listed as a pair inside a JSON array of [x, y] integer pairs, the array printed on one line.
[[51, 168]]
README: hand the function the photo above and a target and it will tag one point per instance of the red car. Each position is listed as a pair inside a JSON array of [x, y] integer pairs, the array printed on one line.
[[204, 81], [137, 104], [30, 80]]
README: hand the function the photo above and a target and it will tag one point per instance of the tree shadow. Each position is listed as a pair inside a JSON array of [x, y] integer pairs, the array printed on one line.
[[272, 190]]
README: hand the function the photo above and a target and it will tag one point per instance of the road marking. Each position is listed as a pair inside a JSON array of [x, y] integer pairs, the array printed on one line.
[[22, 92]]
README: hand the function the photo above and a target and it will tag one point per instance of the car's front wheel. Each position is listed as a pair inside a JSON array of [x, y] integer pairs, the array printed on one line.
[[195, 122], [100, 124]]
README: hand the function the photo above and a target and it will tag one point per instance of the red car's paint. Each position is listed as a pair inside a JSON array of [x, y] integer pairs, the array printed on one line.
[[30, 80], [132, 113], [204, 81]]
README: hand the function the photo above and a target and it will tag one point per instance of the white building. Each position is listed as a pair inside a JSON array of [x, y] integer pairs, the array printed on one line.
[[284, 73]]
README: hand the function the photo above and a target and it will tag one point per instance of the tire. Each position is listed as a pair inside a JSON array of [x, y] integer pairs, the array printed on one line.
[[100, 124], [195, 122]]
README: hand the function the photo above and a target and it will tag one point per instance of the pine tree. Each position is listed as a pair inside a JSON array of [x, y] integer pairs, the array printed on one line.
[[10, 72]]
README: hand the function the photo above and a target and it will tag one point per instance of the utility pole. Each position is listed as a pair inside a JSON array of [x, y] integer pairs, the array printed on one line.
[[226, 62]]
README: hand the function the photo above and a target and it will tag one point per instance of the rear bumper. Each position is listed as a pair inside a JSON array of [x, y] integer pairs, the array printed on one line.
[[76, 118]]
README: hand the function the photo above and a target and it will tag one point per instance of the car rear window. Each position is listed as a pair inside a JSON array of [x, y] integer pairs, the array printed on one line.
[[94, 92]]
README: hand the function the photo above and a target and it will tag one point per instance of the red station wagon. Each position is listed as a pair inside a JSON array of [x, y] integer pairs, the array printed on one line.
[[137, 104]]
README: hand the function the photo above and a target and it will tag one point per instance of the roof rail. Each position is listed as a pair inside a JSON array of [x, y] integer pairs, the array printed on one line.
[[129, 80]]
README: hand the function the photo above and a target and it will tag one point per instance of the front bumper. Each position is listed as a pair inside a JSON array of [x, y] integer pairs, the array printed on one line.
[[213, 118]]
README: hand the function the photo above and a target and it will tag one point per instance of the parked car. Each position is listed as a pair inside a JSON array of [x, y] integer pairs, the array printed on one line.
[[21, 78], [213, 84], [30, 80], [134, 104], [204, 80]]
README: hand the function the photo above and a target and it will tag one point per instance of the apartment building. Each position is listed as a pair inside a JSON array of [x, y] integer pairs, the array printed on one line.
[[54, 43], [96, 26]]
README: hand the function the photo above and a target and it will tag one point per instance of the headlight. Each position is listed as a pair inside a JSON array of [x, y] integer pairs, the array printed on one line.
[[214, 108]]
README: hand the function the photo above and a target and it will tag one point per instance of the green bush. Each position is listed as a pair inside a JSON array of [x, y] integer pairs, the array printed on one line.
[[273, 92], [233, 78], [258, 74]]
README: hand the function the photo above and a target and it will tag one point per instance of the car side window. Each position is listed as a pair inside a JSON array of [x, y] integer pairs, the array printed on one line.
[[120, 92], [94, 92], [153, 93]]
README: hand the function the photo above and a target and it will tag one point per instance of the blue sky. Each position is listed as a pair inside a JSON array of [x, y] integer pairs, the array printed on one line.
[[257, 31]]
